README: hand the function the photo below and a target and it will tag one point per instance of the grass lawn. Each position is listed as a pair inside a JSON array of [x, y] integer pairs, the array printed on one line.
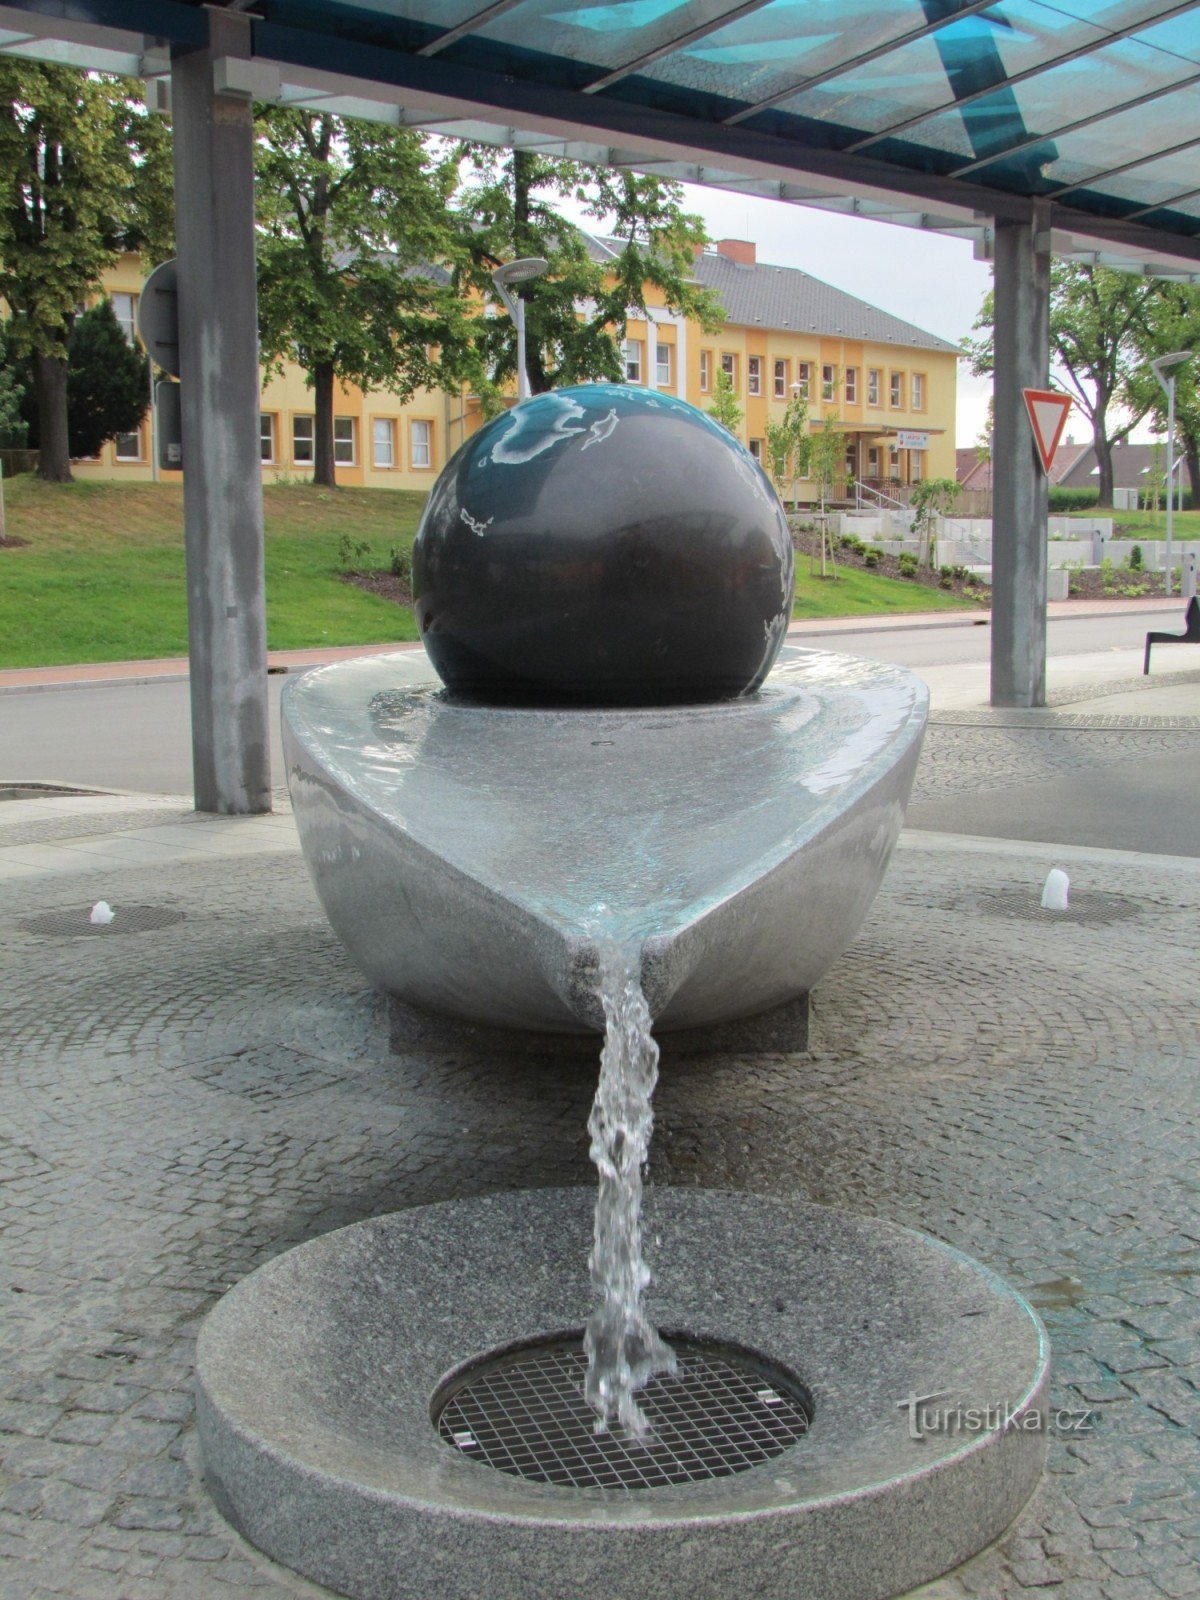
[[1146, 524], [101, 577]]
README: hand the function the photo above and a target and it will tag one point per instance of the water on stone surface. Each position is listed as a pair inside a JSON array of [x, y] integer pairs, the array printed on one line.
[[624, 1350]]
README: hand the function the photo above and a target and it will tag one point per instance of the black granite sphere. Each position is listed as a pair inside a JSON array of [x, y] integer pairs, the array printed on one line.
[[603, 544]]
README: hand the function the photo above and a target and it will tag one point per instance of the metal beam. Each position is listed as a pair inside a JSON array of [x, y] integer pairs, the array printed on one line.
[[1020, 493], [222, 487], [1110, 36], [852, 63], [1161, 205], [471, 25], [1079, 123], [681, 42]]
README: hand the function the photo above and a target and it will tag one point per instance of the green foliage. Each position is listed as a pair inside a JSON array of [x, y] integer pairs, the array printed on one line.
[[1063, 500], [400, 563], [352, 554], [107, 381], [14, 430], [788, 445], [84, 174], [827, 458], [1099, 322], [725, 408], [1136, 559], [353, 218], [509, 208], [871, 558], [908, 564]]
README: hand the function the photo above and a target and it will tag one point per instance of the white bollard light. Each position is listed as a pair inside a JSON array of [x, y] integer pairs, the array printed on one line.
[[1056, 890]]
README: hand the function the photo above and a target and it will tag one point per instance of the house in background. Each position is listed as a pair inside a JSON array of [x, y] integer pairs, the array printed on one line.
[[890, 385], [1134, 467]]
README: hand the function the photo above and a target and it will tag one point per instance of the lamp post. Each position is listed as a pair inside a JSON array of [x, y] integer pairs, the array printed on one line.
[[518, 272], [1160, 365]]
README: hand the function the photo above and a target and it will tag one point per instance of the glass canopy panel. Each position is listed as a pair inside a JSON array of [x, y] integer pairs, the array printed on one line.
[[407, 24], [786, 43], [975, 53], [1089, 86], [594, 39]]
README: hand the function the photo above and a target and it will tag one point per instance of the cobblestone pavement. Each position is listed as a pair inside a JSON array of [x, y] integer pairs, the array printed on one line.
[[178, 1106]]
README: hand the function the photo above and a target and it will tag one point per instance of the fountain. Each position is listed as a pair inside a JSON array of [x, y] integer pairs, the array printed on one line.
[[629, 807]]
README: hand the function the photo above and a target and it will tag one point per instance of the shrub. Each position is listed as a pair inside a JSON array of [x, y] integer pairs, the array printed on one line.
[[1073, 499], [401, 564], [907, 562], [870, 558], [1136, 560], [946, 572], [961, 573], [946, 582], [352, 554]]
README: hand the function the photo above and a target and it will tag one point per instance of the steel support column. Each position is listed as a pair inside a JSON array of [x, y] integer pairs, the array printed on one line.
[[223, 518], [1020, 498]]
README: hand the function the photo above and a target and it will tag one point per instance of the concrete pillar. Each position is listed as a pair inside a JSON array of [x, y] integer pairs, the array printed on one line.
[[222, 493], [1020, 498]]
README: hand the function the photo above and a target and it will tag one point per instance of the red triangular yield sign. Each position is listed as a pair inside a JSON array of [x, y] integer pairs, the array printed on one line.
[[1048, 411]]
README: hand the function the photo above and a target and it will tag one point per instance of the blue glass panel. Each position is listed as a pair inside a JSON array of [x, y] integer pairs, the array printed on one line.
[[402, 24], [784, 44]]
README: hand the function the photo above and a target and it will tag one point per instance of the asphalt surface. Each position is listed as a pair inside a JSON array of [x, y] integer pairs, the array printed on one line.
[[1079, 785]]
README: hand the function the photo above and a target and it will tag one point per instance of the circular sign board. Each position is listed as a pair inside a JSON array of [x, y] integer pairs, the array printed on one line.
[[158, 318]]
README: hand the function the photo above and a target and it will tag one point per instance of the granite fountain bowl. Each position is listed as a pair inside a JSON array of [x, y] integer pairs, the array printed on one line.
[[317, 1377], [471, 856]]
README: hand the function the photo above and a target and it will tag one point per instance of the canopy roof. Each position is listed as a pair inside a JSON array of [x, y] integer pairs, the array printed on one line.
[[939, 114]]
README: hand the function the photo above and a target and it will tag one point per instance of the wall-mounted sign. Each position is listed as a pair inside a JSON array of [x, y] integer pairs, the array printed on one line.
[[907, 439]]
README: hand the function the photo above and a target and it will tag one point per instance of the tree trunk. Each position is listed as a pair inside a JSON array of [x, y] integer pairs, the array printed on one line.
[[50, 387], [324, 469], [1104, 461]]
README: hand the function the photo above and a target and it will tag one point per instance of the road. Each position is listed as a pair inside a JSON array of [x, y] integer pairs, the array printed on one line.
[[136, 736]]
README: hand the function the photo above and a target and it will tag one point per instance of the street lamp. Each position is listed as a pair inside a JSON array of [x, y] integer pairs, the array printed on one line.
[[518, 272], [1158, 366]]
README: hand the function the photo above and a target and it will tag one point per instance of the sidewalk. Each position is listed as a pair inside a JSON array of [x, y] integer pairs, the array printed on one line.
[[170, 668]]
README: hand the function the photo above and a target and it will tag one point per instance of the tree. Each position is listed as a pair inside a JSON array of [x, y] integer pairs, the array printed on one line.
[[930, 499], [725, 408], [354, 228], [1173, 325], [576, 314], [13, 427], [108, 381], [1097, 324], [789, 446], [828, 464], [82, 169]]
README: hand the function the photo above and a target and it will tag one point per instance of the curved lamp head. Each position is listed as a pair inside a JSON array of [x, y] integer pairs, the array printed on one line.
[[1173, 358], [517, 272]]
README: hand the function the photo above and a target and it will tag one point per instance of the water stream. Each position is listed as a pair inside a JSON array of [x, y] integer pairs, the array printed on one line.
[[624, 1349]]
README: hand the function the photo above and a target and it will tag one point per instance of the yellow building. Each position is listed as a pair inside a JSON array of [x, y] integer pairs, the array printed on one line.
[[890, 385]]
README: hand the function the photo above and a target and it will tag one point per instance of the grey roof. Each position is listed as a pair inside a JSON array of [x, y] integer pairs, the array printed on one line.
[[765, 296]]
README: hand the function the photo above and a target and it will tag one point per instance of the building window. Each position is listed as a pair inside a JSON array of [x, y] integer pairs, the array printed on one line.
[[383, 442], [729, 367], [918, 391], [873, 461], [828, 382], [705, 371], [803, 379], [128, 446], [125, 309], [662, 365], [781, 380], [756, 449], [754, 375], [893, 461], [897, 391], [874, 383], [302, 441], [851, 386], [266, 436], [632, 351], [345, 441], [914, 465], [420, 439]]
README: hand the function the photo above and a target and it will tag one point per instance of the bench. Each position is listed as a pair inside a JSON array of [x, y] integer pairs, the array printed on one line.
[[1191, 635]]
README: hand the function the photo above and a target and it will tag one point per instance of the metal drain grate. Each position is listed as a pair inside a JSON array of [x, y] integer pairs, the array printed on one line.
[[1086, 906], [128, 919], [524, 1413]]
